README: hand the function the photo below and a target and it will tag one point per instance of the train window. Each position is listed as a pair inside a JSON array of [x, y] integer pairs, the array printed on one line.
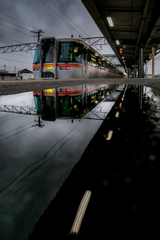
[[88, 52], [37, 55], [103, 64], [70, 52], [93, 60], [99, 62]]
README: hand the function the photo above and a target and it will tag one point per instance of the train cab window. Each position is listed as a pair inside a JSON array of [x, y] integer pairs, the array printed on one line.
[[70, 52], [48, 111], [37, 55], [49, 53]]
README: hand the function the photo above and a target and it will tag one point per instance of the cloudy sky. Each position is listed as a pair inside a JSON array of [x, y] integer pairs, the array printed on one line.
[[19, 17]]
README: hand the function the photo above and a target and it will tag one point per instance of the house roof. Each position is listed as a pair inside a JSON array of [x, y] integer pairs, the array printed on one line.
[[4, 71], [25, 71]]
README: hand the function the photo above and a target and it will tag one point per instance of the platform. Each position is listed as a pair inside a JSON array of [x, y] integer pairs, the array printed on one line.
[[19, 86]]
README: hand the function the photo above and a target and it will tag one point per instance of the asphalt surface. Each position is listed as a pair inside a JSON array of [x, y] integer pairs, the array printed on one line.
[[18, 86], [122, 175]]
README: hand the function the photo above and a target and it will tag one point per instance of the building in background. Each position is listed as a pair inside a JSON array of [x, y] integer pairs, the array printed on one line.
[[5, 75], [25, 74]]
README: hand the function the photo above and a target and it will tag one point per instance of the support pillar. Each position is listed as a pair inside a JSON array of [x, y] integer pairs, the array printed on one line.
[[153, 54], [141, 60], [141, 73], [128, 72]]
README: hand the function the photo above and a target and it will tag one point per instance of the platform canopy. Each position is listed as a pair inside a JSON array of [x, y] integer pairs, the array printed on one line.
[[136, 24]]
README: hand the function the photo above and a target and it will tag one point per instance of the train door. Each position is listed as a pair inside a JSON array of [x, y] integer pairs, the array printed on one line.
[[84, 62], [48, 60]]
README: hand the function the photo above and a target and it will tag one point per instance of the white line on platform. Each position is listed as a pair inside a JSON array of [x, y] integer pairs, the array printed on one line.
[[80, 213], [109, 135], [117, 114]]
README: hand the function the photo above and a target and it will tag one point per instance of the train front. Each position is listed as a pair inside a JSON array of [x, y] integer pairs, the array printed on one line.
[[45, 59]]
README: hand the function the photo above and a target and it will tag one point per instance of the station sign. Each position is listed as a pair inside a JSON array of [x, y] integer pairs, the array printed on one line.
[[151, 55]]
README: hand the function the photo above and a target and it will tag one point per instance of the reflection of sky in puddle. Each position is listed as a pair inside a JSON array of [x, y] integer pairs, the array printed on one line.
[[35, 162], [20, 99]]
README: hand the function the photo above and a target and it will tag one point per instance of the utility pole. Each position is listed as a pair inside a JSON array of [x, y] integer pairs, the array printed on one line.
[[38, 34], [153, 54]]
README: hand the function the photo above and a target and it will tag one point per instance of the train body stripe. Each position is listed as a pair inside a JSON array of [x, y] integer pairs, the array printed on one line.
[[38, 65], [45, 64], [86, 67], [79, 66], [72, 92]]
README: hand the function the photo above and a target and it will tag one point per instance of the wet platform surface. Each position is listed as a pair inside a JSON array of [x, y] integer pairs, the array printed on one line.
[[50, 167]]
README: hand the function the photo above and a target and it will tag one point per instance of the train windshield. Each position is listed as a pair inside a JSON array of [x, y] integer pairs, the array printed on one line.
[[37, 102], [37, 55], [70, 52], [49, 53], [48, 111]]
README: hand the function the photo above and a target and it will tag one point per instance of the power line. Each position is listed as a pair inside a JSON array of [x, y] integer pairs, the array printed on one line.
[[5, 42], [11, 39], [69, 18], [15, 29], [15, 24], [18, 20], [59, 16], [63, 19]]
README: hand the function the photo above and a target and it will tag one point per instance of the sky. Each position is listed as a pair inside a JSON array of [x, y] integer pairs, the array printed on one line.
[[19, 17], [35, 15]]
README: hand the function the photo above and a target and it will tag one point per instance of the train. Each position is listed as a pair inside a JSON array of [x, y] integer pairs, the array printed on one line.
[[71, 58], [71, 102]]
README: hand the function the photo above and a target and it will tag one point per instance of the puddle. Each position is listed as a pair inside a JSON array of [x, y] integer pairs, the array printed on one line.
[[42, 136]]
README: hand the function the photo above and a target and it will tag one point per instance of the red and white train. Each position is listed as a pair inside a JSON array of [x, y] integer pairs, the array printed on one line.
[[69, 58]]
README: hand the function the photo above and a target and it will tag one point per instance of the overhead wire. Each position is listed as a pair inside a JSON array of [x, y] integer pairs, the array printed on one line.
[[11, 39], [72, 21], [15, 24], [13, 131], [18, 20], [44, 156], [63, 19], [16, 30], [69, 17]]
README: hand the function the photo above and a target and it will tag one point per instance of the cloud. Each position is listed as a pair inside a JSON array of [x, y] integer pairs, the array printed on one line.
[[38, 15]]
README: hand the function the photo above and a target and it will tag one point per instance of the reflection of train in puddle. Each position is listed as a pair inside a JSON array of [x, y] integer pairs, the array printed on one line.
[[70, 102]]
